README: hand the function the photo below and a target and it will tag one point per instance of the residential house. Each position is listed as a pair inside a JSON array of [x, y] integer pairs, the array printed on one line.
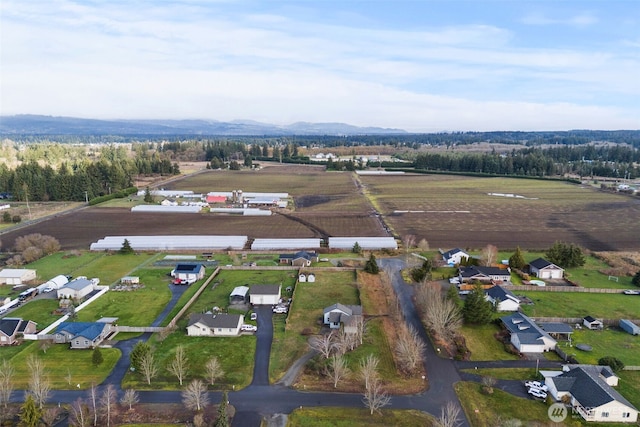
[[454, 256], [83, 335], [543, 269], [239, 295], [592, 323], [476, 273], [346, 315], [300, 259], [189, 273], [502, 299], [12, 328], [589, 389], [16, 276], [214, 325], [526, 335], [265, 294], [76, 289]]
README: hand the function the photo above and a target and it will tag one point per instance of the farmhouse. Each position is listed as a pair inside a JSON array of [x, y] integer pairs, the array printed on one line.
[[347, 315], [214, 325], [544, 269], [502, 299], [12, 328], [592, 323], [188, 272], [82, 335], [16, 276], [454, 256], [77, 289], [239, 295], [300, 259], [476, 273], [589, 390], [526, 336], [265, 294]]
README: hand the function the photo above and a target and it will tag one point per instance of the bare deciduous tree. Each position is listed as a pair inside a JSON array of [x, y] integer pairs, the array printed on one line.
[[79, 412], [449, 416], [50, 414], [409, 349], [45, 344], [213, 370], [408, 241], [339, 369], [369, 370], [323, 344], [488, 383], [6, 383], [130, 398], [423, 245], [107, 402], [439, 314], [148, 367], [195, 396], [344, 342], [178, 366], [93, 400], [68, 377], [489, 255], [39, 384], [375, 397]]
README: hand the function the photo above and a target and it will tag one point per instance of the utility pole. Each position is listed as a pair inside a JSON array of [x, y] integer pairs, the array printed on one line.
[[86, 197]]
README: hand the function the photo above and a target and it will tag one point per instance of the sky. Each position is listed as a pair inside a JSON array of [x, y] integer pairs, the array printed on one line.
[[417, 65]]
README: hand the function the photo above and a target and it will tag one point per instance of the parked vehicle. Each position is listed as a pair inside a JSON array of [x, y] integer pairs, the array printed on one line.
[[536, 385], [537, 393], [631, 292], [28, 294], [280, 309], [248, 328], [254, 316]]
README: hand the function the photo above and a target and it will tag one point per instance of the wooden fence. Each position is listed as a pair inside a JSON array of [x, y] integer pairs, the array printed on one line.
[[515, 288], [195, 296], [578, 320]]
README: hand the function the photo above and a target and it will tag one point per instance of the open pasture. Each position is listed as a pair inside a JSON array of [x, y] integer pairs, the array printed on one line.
[[454, 211]]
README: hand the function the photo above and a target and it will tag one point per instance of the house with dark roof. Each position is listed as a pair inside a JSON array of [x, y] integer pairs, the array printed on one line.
[[502, 299], [82, 335], [189, 273], [11, 328], [589, 389], [477, 273], [543, 269], [265, 294], [300, 259], [558, 330], [214, 325], [454, 256], [347, 316], [526, 335]]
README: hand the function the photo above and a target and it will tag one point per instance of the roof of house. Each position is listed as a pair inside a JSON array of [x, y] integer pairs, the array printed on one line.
[[556, 327], [498, 293], [89, 330], [188, 268], [586, 386], [302, 254], [350, 310], [78, 284], [541, 263], [265, 290], [526, 329], [452, 252], [475, 270], [9, 325], [220, 320]]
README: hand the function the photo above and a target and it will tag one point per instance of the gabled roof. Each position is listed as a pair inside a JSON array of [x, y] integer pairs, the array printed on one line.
[[240, 291], [188, 268], [475, 270], [586, 386], [220, 320], [452, 252], [89, 330], [265, 289], [556, 327], [541, 263], [527, 330], [302, 254], [337, 306], [78, 284], [498, 293], [591, 319], [9, 326]]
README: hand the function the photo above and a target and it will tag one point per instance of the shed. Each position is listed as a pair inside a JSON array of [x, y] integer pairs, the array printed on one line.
[[239, 295], [265, 294], [188, 272], [130, 280], [544, 269], [302, 278], [629, 326], [311, 278], [592, 323], [16, 276]]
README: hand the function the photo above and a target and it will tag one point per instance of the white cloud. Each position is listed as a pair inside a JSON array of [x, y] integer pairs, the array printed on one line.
[[581, 20]]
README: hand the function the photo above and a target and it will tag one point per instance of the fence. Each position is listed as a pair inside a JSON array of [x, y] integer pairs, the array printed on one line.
[[515, 288], [139, 328], [195, 296], [578, 320]]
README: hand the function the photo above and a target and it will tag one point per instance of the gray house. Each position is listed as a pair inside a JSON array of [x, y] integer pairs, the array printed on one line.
[[82, 335]]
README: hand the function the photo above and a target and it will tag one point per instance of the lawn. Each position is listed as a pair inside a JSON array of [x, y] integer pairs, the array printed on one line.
[[347, 417], [38, 311], [65, 262], [483, 344], [112, 267], [608, 342], [572, 304], [629, 386], [489, 410], [505, 373], [588, 276]]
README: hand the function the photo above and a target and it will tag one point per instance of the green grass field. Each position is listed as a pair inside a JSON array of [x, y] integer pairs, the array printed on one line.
[[505, 373], [65, 262], [39, 311], [482, 343], [608, 342], [588, 276], [573, 304], [348, 417]]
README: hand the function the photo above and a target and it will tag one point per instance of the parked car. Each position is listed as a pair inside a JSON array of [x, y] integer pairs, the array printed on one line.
[[464, 292], [537, 393], [536, 385], [631, 292], [254, 316], [454, 280], [280, 309], [248, 328]]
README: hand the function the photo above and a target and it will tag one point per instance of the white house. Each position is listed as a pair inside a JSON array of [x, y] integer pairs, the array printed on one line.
[[544, 269], [77, 289], [590, 391], [16, 276], [340, 314], [188, 272], [265, 294], [477, 273], [214, 325], [454, 256], [502, 299], [526, 336], [592, 323]]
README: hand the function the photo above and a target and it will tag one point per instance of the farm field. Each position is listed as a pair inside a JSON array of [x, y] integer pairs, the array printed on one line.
[[570, 304]]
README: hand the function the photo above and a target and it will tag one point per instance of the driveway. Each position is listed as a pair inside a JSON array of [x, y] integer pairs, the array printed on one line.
[[264, 337]]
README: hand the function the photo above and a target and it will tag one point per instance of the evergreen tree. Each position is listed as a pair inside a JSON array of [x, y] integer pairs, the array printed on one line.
[[614, 363], [636, 279], [565, 255], [30, 413], [517, 260], [356, 248], [148, 198], [476, 308], [452, 294], [96, 357], [140, 350], [6, 216], [371, 266], [126, 248], [223, 419]]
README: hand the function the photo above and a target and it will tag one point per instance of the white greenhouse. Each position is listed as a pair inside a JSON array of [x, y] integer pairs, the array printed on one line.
[[273, 244], [167, 243], [166, 209], [370, 243]]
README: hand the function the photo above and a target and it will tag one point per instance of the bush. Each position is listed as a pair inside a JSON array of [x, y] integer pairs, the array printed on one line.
[[614, 363]]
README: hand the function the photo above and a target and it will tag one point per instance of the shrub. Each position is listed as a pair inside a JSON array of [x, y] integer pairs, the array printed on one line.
[[614, 363]]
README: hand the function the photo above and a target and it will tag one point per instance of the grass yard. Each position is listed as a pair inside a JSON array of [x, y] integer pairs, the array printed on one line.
[[629, 386], [348, 417], [505, 373], [39, 311], [482, 343], [608, 342], [64, 262], [572, 304], [589, 276], [112, 267], [490, 410], [65, 367]]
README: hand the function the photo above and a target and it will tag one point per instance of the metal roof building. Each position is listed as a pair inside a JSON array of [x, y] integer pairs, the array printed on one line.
[[166, 209], [363, 242], [270, 244], [163, 243]]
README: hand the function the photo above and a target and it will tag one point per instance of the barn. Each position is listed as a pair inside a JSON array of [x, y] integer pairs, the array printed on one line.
[[16, 276], [265, 294]]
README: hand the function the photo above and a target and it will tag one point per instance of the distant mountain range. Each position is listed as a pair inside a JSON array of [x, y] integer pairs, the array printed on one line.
[[48, 125]]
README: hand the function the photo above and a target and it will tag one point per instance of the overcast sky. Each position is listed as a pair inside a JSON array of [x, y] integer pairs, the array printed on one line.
[[419, 65]]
